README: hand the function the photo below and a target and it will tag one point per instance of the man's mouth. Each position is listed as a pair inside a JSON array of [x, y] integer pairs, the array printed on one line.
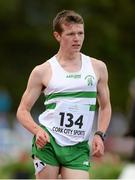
[[76, 45]]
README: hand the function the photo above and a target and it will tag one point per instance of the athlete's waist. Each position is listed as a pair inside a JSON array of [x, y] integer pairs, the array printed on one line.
[[77, 143]]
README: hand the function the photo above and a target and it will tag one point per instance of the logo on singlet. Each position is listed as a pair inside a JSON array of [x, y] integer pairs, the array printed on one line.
[[90, 80], [75, 76]]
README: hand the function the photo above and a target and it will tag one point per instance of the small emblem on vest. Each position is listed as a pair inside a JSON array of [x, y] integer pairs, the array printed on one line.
[[90, 80]]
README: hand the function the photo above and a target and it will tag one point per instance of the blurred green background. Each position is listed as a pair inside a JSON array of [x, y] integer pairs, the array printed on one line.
[[26, 40]]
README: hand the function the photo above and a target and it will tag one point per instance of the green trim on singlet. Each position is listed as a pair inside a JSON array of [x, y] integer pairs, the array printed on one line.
[[92, 108], [82, 94], [53, 106], [50, 106]]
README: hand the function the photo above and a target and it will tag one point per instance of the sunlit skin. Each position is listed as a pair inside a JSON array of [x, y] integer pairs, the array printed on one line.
[[71, 40]]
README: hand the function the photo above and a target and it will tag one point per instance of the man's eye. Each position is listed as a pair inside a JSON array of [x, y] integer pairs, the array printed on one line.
[[71, 34], [80, 33]]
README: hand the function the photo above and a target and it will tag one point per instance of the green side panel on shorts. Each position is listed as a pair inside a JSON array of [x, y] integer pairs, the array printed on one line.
[[45, 154]]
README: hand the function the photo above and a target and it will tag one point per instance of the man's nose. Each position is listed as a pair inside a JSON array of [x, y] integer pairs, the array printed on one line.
[[76, 37]]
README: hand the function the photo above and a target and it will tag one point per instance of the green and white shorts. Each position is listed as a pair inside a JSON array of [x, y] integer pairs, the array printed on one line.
[[74, 157]]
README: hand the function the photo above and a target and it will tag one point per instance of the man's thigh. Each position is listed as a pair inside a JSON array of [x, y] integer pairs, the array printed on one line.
[[48, 172], [67, 173]]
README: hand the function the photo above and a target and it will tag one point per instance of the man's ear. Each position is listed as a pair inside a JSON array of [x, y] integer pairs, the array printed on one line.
[[57, 36]]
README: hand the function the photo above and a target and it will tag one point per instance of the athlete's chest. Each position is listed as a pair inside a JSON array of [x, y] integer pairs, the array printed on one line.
[[73, 81]]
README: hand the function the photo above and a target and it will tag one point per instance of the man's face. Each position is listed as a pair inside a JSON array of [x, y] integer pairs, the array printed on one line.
[[72, 37]]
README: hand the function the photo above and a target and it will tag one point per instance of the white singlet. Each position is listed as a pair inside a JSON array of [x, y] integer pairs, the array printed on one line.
[[70, 103]]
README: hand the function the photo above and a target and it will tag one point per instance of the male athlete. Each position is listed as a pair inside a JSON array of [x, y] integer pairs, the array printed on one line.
[[71, 83]]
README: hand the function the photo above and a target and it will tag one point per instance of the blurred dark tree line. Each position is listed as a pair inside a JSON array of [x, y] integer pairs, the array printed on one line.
[[26, 40]]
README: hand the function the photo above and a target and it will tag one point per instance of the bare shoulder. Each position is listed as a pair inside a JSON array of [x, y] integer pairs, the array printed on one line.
[[42, 69], [98, 64], [100, 68], [41, 73]]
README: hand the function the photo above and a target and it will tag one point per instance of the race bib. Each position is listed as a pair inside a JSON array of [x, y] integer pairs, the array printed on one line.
[[72, 119]]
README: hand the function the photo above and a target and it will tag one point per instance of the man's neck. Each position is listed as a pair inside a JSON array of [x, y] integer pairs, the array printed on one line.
[[68, 57], [70, 62]]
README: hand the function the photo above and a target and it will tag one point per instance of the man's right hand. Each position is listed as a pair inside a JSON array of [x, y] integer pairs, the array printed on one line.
[[42, 138]]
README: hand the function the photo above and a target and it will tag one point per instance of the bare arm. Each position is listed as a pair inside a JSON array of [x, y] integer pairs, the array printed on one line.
[[29, 98], [103, 96], [104, 114]]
